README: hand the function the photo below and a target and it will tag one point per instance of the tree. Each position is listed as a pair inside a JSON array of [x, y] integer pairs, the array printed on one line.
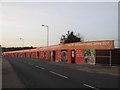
[[5, 49], [70, 37]]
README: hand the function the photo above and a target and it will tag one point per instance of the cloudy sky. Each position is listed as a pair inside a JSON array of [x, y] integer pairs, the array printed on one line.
[[93, 20]]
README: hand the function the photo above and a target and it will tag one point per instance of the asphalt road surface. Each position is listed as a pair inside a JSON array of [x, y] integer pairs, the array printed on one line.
[[37, 74]]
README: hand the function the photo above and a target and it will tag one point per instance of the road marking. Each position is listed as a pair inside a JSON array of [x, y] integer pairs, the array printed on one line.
[[40, 67], [90, 86], [59, 74]]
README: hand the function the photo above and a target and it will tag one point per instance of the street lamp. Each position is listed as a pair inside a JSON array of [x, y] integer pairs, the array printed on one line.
[[23, 44], [47, 34]]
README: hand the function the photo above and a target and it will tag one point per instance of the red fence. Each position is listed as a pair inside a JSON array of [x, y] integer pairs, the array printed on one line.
[[108, 57], [75, 56], [92, 52]]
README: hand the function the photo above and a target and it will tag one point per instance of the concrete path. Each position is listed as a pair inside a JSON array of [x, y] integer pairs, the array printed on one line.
[[102, 69], [10, 78], [41, 74]]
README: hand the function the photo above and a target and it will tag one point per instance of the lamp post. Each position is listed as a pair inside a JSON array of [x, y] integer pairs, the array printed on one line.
[[47, 34], [23, 44]]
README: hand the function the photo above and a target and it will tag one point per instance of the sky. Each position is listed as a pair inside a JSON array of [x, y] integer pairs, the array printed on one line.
[[93, 20]]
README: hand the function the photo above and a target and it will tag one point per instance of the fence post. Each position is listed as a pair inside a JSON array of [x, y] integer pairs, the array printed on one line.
[[110, 58]]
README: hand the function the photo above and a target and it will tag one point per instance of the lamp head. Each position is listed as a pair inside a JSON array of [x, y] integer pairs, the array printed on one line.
[[43, 25]]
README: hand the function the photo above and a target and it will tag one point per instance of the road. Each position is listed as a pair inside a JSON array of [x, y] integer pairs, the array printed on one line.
[[37, 74]]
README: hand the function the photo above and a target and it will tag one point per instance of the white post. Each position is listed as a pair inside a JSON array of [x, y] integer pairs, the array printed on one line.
[[110, 58], [47, 34], [23, 45]]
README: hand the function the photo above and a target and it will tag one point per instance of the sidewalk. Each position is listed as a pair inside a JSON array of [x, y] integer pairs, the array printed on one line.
[[10, 78], [93, 68], [102, 69]]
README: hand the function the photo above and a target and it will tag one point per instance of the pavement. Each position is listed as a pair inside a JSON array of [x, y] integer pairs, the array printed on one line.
[[43, 75], [110, 70], [10, 78], [102, 69]]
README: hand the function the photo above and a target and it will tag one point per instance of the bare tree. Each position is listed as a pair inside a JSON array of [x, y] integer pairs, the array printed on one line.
[[71, 38]]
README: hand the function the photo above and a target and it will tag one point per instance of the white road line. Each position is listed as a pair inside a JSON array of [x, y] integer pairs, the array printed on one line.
[[40, 67], [59, 74], [90, 86]]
